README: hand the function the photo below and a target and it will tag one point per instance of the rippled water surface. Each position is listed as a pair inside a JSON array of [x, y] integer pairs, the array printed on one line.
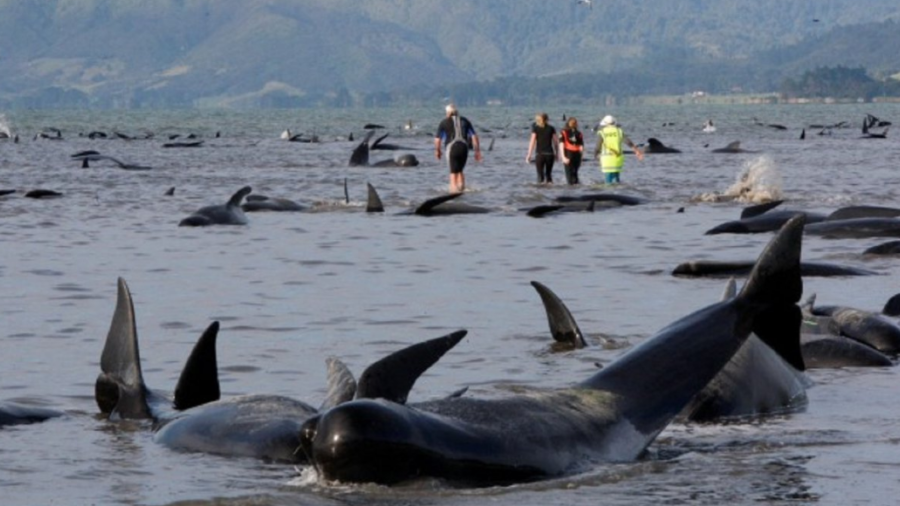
[[292, 289]]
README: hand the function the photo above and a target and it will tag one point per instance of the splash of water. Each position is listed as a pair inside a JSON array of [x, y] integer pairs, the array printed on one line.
[[4, 127], [306, 477], [759, 181]]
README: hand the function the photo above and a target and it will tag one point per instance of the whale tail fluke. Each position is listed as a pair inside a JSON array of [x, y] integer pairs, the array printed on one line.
[[199, 380], [120, 388]]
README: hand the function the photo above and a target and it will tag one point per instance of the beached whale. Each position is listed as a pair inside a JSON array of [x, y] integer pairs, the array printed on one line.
[[85, 157], [229, 213], [757, 381], [540, 433], [654, 145], [264, 426], [870, 328], [725, 269], [856, 228], [13, 413], [254, 203]]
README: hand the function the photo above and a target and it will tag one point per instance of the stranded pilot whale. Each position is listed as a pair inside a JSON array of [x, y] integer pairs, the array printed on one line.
[[229, 213], [12, 413], [540, 433], [263, 426], [759, 380]]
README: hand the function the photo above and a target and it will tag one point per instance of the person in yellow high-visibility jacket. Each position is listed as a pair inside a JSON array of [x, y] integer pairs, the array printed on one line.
[[610, 139]]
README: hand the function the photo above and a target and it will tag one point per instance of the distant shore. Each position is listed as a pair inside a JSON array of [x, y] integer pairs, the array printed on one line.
[[744, 99]]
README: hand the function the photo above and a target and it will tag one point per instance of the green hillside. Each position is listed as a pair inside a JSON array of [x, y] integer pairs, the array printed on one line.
[[282, 53]]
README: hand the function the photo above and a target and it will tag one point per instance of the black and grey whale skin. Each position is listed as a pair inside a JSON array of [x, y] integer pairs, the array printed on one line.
[[261, 426], [758, 380], [539, 433], [229, 213]]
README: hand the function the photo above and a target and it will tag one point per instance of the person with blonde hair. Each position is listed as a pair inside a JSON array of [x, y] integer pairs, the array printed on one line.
[[456, 134], [571, 146], [543, 144], [610, 139]]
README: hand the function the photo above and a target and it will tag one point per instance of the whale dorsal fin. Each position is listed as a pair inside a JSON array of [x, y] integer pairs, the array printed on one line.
[[562, 325], [750, 212], [341, 384], [199, 381], [373, 203], [730, 290], [235, 200], [653, 142], [120, 387], [734, 146], [809, 303], [428, 205], [392, 377]]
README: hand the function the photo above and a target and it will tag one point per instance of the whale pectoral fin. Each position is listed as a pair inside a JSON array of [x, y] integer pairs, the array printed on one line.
[[120, 387], [341, 384], [199, 380], [373, 203], [235, 200], [430, 204], [562, 325], [392, 377]]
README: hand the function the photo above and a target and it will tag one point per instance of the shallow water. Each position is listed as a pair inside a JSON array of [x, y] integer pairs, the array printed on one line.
[[294, 288]]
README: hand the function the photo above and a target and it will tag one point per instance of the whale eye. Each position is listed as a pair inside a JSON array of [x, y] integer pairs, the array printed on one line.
[[308, 432]]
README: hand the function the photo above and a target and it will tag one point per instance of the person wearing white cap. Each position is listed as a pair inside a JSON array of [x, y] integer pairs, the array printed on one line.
[[610, 139], [456, 134]]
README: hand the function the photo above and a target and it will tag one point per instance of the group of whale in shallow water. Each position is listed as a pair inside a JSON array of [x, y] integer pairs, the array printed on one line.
[[741, 356]]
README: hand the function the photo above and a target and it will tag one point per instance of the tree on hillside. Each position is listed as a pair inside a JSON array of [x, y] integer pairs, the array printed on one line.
[[835, 82]]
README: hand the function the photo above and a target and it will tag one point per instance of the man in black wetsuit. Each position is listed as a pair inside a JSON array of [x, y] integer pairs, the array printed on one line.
[[456, 134]]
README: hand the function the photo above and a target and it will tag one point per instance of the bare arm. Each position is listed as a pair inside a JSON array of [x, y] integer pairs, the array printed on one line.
[[476, 144], [437, 148], [531, 144], [637, 150]]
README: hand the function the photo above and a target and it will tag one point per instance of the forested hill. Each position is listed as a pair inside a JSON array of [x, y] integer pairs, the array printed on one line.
[[141, 53]]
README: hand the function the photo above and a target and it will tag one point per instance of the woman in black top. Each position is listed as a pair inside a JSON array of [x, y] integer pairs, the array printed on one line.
[[571, 143], [543, 144]]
